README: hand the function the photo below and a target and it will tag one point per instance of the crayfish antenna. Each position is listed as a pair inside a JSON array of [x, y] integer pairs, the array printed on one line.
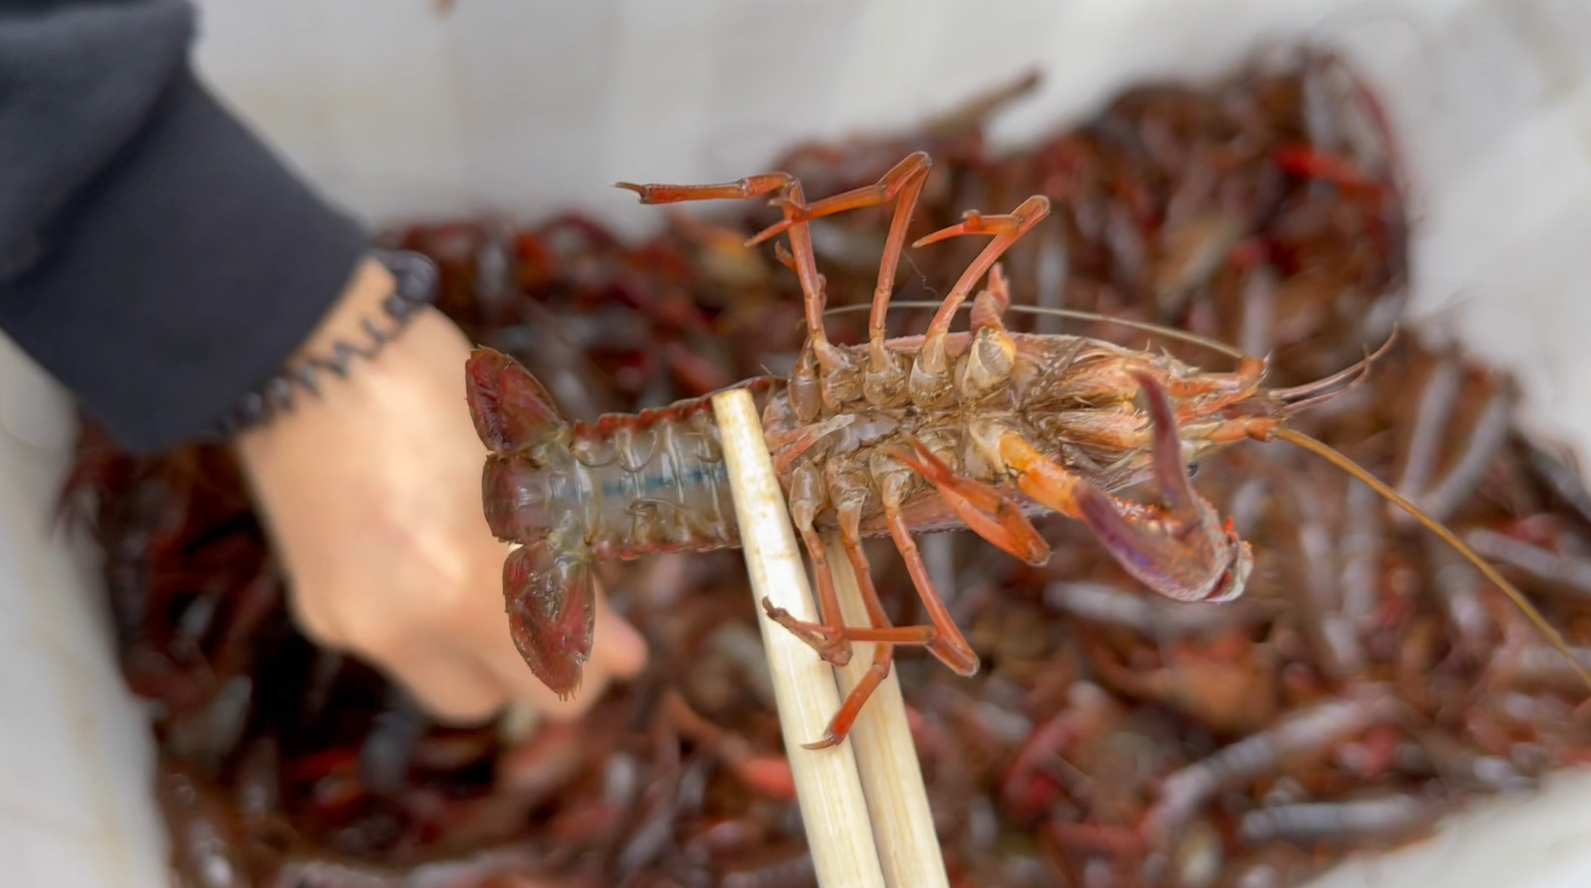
[[1359, 373], [1331, 455]]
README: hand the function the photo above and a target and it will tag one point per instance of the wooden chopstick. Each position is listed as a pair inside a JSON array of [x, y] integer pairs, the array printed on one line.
[[834, 808], [886, 758]]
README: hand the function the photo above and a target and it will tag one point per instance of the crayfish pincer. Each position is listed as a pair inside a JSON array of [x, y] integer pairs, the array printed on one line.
[[983, 429]]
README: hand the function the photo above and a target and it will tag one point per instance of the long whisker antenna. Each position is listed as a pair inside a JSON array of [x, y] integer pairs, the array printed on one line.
[[1075, 314], [1297, 407], [1325, 451], [1361, 367]]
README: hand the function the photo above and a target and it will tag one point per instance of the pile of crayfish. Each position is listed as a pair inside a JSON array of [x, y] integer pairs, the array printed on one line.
[[1366, 683]]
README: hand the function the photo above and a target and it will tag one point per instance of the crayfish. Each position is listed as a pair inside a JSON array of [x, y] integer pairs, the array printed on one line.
[[983, 429]]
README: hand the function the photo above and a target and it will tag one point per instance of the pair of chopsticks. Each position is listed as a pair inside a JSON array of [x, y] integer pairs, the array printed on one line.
[[863, 803]]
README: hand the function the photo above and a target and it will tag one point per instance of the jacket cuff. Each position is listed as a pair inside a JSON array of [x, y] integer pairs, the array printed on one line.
[[191, 269]]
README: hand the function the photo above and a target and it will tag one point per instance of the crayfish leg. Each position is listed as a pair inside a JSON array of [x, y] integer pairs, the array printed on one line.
[[751, 186], [834, 363], [881, 634], [990, 305], [511, 410], [1006, 228], [883, 654], [797, 212], [807, 495], [944, 640], [550, 596], [930, 374], [903, 184], [990, 361], [974, 502], [904, 179]]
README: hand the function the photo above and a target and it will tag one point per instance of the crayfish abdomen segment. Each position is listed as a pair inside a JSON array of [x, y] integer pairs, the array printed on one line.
[[655, 482]]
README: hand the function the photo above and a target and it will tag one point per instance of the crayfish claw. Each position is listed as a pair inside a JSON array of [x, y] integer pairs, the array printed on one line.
[[1181, 549], [1210, 564], [1177, 495]]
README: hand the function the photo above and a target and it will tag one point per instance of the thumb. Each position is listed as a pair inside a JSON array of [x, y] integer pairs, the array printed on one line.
[[617, 648]]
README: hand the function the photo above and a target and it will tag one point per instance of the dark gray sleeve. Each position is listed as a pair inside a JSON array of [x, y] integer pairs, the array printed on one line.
[[155, 257]]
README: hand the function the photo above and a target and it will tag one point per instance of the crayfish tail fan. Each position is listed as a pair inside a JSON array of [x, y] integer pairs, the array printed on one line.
[[512, 411], [551, 601]]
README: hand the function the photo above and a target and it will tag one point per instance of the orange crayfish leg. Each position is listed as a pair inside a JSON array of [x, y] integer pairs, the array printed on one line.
[[972, 501]]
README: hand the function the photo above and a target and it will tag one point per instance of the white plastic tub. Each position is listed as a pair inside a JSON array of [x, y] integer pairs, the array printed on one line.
[[525, 107]]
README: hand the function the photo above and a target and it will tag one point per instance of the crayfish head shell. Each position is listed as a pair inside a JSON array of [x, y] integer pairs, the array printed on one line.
[[552, 612]]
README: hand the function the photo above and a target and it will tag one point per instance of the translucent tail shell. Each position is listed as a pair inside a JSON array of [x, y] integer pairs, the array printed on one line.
[[548, 589]]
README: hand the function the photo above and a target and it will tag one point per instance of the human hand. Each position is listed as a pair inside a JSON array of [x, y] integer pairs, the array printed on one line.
[[372, 494]]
